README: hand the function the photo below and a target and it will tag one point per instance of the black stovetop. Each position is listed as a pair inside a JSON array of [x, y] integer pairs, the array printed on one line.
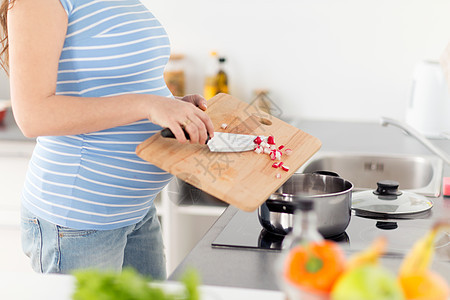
[[245, 232]]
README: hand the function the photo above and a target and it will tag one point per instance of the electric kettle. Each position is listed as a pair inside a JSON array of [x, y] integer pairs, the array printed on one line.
[[429, 107]]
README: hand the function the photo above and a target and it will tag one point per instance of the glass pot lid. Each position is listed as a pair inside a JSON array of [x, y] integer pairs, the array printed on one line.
[[388, 200]]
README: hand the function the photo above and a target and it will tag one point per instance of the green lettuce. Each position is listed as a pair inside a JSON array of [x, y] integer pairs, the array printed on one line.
[[129, 285]]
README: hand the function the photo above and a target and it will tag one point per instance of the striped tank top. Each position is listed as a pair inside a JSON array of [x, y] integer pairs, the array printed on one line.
[[95, 180]]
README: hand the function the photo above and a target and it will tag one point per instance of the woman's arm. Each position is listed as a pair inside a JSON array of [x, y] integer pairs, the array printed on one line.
[[37, 31]]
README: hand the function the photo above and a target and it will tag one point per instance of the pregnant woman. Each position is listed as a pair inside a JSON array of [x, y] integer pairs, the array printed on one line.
[[86, 79]]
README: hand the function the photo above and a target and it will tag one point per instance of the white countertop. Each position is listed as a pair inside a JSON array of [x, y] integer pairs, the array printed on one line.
[[32, 286]]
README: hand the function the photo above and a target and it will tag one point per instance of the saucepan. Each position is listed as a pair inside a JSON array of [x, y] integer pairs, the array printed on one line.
[[332, 196]]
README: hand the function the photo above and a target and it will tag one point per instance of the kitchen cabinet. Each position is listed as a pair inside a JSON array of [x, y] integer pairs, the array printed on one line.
[[183, 226], [14, 158]]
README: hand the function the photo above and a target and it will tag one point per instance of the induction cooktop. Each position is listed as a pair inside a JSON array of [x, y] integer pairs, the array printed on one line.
[[245, 232]]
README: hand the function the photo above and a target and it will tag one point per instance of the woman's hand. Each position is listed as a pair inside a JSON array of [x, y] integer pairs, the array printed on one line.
[[182, 112], [195, 99]]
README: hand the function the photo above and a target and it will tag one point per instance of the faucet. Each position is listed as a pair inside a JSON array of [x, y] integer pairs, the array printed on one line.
[[417, 135]]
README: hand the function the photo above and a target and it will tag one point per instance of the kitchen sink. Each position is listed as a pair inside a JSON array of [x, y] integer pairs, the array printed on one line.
[[421, 174]]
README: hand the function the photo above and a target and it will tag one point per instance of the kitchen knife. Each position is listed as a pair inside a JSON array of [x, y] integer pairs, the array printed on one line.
[[222, 141]]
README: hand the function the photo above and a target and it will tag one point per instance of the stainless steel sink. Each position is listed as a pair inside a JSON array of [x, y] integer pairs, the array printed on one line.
[[421, 174]]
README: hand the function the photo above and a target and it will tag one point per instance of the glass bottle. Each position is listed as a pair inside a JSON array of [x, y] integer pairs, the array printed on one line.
[[174, 75], [210, 85], [304, 229], [222, 77]]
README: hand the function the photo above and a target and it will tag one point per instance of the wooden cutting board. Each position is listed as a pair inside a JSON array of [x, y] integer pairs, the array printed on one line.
[[244, 179]]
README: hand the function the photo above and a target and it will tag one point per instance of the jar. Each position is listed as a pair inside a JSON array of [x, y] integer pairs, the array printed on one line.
[[174, 75]]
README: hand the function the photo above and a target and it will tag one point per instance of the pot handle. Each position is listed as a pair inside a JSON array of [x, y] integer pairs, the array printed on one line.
[[280, 206]]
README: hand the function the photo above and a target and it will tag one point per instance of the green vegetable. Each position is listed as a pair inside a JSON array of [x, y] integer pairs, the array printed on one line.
[[98, 285]]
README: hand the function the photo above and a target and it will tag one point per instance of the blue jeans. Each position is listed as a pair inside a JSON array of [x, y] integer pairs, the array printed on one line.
[[56, 249]]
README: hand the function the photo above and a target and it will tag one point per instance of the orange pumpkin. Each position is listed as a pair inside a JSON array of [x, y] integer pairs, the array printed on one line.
[[315, 266]]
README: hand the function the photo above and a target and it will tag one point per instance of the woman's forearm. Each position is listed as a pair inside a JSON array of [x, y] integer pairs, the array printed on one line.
[[66, 115]]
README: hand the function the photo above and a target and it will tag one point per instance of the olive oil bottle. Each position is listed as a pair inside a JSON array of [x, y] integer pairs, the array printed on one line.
[[210, 85], [222, 77], [216, 79]]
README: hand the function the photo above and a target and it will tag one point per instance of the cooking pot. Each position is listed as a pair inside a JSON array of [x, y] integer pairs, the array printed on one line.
[[332, 196]]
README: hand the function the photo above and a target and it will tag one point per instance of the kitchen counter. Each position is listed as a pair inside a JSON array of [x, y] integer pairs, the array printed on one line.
[[62, 287], [248, 268]]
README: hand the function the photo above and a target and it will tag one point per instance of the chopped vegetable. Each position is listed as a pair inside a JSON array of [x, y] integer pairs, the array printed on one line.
[[272, 155], [224, 126], [257, 140], [269, 147], [278, 175], [277, 164], [258, 149], [285, 168], [275, 155]]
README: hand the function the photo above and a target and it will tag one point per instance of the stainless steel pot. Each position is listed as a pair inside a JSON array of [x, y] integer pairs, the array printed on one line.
[[332, 197]]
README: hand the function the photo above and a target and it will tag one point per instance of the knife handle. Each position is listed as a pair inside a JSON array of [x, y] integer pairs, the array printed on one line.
[[167, 133]]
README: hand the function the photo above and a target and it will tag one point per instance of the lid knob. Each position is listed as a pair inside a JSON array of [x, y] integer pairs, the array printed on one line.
[[387, 188]]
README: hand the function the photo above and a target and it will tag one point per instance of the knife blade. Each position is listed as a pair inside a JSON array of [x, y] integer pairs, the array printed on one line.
[[222, 141]]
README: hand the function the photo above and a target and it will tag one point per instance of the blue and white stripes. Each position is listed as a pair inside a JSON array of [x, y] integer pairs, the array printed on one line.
[[95, 180]]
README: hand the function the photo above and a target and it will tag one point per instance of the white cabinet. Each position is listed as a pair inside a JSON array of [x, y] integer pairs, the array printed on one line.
[[14, 158], [183, 227]]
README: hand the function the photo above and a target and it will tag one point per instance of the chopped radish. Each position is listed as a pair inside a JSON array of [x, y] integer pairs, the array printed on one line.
[[285, 168], [276, 165], [272, 155], [277, 154], [224, 126], [268, 146], [278, 175]]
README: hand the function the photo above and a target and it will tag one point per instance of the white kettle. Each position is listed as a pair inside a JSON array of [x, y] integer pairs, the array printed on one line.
[[429, 107]]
